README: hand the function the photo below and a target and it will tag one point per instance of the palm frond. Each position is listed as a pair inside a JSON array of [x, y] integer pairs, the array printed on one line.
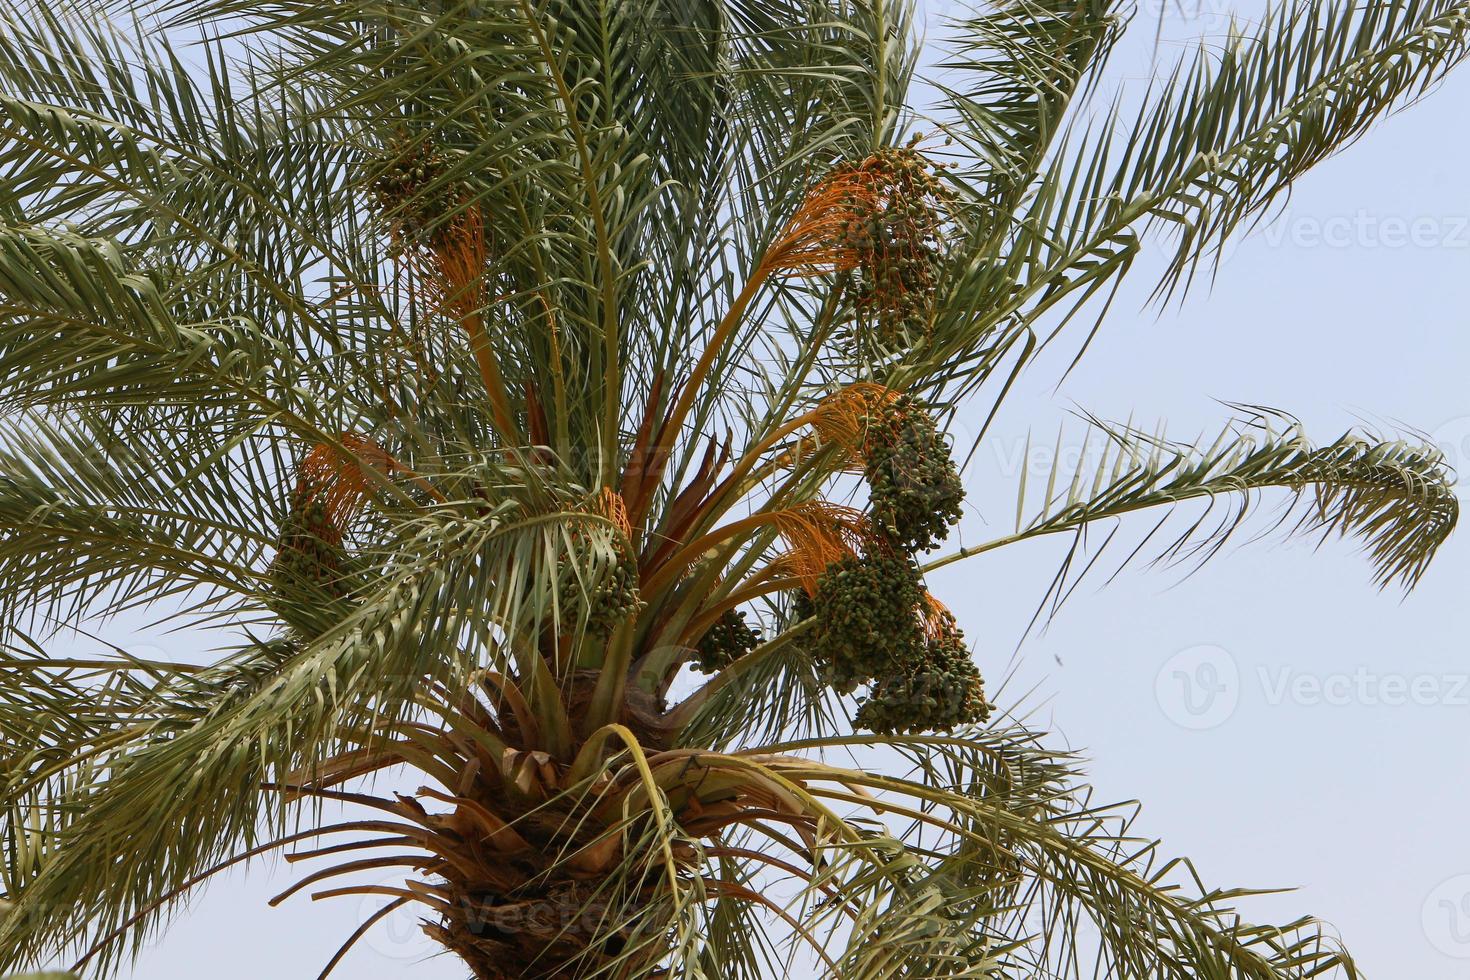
[[369, 665], [1396, 497], [94, 520], [1217, 145], [1019, 65]]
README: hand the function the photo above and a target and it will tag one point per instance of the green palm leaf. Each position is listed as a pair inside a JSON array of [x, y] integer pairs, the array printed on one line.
[[1397, 497]]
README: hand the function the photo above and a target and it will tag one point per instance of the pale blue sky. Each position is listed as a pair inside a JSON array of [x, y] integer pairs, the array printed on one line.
[[1334, 760]]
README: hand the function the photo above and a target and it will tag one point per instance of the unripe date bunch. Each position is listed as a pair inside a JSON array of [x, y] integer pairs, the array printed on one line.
[[896, 232], [609, 598], [413, 189], [941, 691], [309, 553], [729, 639], [871, 629], [867, 618], [914, 486], [312, 570]]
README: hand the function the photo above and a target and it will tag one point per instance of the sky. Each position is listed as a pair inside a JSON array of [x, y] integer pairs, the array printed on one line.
[[1285, 723]]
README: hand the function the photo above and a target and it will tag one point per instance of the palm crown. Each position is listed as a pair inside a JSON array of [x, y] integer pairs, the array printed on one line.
[[489, 370]]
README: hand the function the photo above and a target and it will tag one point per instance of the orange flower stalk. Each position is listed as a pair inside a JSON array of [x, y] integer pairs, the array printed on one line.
[[610, 504], [817, 534], [842, 419], [815, 240], [340, 482], [937, 617]]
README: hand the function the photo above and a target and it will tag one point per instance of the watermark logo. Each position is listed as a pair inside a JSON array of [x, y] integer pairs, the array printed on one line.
[[1446, 917], [1366, 230], [1365, 688], [1201, 687], [1453, 439], [1360, 231], [1198, 688], [397, 932]]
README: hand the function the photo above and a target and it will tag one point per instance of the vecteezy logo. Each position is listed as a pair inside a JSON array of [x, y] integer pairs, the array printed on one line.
[[396, 930], [1446, 917], [1198, 688]]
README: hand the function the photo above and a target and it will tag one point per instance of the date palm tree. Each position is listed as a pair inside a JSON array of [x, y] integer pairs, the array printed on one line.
[[539, 409]]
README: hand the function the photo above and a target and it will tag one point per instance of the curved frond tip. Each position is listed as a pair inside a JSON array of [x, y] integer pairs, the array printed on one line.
[[1396, 497]]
